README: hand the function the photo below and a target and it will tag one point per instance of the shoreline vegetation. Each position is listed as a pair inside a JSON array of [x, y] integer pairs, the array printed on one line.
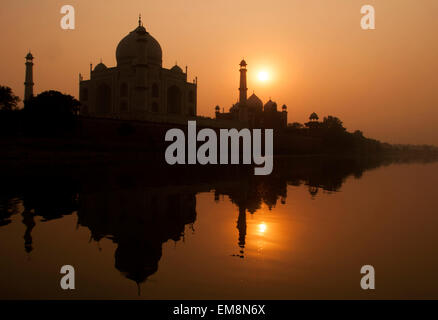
[[49, 131]]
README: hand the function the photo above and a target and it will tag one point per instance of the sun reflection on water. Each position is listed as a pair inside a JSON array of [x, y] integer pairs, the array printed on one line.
[[262, 227]]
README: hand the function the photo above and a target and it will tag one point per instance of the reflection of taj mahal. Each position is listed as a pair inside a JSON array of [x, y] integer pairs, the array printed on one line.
[[138, 88]]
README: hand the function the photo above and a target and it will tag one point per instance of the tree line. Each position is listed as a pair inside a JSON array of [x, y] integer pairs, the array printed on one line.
[[49, 113]]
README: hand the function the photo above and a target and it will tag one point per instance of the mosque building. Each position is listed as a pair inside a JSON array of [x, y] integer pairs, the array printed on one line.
[[138, 88], [251, 111]]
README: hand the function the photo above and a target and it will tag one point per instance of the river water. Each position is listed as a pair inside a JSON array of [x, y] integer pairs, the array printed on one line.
[[303, 232]]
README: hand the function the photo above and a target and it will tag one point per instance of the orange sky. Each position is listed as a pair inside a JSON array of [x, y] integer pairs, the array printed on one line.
[[383, 82]]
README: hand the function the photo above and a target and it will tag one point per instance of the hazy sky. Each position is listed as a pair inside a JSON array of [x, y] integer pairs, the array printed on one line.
[[383, 82]]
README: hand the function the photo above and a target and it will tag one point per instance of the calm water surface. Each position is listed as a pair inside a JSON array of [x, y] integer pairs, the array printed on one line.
[[304, 232]]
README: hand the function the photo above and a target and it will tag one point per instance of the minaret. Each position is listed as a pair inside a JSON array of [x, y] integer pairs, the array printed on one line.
[[242, 89], [28, 84]]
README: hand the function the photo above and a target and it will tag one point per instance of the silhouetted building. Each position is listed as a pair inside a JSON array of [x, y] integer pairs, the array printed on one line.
[[251, 111], [138, 88], [313, 121], [28, 82]]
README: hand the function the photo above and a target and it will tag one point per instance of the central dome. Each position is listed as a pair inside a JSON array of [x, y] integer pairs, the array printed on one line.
[[129, 50]]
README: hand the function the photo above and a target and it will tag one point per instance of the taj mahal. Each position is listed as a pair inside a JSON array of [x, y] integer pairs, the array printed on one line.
[[138, 88]]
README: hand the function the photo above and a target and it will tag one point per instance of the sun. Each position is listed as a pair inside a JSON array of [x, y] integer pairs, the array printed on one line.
[[263, 76]]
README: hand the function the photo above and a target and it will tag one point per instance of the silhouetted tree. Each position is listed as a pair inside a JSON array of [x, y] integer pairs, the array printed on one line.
[[358, 134], [9, 115], [333, 123], [53, 103], [8, 101], [51, 112]]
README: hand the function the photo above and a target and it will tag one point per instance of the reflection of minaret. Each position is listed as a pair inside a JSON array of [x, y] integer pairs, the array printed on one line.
[[243, 89], [241, 226], [28, 84], [29, 222]]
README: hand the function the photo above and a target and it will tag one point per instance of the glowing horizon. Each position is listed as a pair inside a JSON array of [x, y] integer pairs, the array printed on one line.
[[381, 81]]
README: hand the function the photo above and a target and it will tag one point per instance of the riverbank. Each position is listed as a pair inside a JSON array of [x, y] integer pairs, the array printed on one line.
[[95, 142]]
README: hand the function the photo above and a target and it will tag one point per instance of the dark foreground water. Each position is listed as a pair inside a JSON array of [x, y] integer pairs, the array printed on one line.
[[303, 232]]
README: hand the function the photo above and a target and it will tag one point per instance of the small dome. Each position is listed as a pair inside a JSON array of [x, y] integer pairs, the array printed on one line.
[[284, 107], [217, 108], [128, 48], [176, 69], [243, 63], [100, 67], [270, 106], [235, 107], [314, 116], [29, 56], [255, 103]]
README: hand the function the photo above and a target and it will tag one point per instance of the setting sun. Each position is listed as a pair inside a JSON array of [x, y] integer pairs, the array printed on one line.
[[263, 76]]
